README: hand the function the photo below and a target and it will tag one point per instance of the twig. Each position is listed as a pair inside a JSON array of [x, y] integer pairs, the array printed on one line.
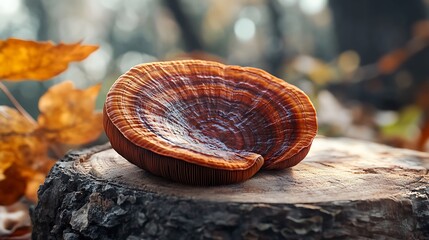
[[17, 105]]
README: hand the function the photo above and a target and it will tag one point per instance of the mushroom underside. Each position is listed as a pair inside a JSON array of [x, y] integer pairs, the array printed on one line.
[[225, 130], [173, 168]]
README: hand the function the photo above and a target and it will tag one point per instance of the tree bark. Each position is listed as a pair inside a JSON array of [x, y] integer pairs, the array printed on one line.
[[343, 189]]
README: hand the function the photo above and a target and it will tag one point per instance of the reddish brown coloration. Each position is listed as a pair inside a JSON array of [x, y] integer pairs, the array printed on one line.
[[206, 123]]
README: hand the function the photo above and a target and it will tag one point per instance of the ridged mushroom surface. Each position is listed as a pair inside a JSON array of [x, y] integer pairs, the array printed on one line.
[[206, 123]]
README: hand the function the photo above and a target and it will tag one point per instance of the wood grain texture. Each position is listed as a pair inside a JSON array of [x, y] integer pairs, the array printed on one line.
[[343, 189]]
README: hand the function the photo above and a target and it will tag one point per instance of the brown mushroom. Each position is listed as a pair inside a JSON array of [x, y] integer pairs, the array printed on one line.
[[206, 123]]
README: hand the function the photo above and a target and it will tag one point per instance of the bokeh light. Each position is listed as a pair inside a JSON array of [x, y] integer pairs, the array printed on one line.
[[244, 29]]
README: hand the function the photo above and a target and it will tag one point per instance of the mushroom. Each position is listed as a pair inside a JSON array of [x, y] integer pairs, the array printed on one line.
[[205, 123]]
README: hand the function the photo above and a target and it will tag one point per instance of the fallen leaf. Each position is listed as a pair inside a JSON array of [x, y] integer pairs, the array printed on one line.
[[22, 60], [67, 114]]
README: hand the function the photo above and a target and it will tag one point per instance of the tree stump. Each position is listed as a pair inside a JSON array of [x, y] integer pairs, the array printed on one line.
[[343, 189]]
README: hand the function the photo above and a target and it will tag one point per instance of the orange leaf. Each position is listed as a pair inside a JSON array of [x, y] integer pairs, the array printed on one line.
[[19, 138], [12, 122], [6, 160], [13, 186], [21, 59], [67, 114], [23, 155], [33, 183]]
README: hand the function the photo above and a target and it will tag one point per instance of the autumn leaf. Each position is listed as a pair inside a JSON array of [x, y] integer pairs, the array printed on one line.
[[13, 186], [24, 162], [12, 124], [66, 117], [67, 114], [20, 136], [33, 180], [23, 155], [21, 59], [6, 160]]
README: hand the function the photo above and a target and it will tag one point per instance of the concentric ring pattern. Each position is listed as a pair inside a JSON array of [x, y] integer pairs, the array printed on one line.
[[205, 116]]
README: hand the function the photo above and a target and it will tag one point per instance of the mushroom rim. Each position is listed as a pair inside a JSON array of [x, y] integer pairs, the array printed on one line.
[[155, 143]]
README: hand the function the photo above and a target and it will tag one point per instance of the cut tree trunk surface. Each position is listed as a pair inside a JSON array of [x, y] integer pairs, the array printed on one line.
[[343, 189]]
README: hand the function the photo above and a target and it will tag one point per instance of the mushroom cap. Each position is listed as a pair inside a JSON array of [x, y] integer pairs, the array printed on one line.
[[206, 123]]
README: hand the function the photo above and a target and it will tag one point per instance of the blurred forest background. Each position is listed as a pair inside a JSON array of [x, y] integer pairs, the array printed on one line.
[[365, 64]]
